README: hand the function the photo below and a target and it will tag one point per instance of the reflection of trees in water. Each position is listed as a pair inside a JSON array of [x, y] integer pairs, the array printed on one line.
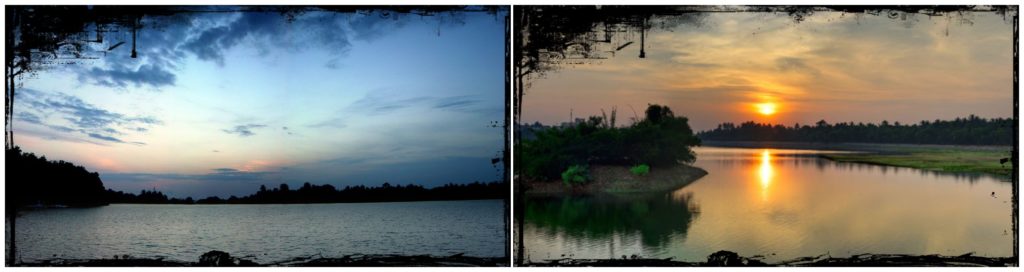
[[654, 218], [886, 169], [824, 164]]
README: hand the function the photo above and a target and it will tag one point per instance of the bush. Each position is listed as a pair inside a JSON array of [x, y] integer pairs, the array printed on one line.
[[576, 174], [640, 170], [660, 139]]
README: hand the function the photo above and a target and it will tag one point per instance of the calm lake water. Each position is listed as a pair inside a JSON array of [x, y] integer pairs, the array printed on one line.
[[781, 204], [264, 233]]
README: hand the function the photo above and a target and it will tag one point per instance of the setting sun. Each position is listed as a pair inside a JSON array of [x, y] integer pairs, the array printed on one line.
[[766, 108]]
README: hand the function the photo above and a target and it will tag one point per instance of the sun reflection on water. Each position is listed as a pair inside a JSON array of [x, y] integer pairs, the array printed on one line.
[[766, 173]]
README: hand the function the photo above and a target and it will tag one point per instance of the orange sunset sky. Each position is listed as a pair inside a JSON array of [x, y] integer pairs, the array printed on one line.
[[729, 67]]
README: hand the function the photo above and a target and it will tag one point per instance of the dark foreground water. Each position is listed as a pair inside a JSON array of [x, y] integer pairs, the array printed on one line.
[[781, 204], [264, 233]]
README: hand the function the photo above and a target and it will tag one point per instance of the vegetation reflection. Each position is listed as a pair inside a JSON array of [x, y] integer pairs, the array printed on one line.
[[654, 217]]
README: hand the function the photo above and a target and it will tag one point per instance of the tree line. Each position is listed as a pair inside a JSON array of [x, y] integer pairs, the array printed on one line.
[[972, 130], [327, 193], [34, 180]]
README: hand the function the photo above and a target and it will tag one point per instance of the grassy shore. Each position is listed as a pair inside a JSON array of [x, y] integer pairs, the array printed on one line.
[[943, 158], [617, 179]]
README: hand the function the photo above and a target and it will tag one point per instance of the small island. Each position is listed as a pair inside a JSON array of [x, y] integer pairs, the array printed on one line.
[[595, 156]]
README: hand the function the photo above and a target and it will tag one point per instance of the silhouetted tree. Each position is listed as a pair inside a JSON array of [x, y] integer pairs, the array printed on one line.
[[33, 180], [655, 113]]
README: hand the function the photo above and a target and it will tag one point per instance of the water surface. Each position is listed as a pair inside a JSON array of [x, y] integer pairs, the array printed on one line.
[[264, 233], [781, 204]]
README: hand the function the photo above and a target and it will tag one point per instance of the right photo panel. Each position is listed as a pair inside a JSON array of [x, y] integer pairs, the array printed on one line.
[[765, 136]]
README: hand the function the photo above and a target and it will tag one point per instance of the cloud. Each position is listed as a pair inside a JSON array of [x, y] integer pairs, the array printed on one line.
[[68, 114], [78, 112], [337, 122], [456, 102], [112, 139], [329, 31], [166, 41], [431, 172], [29, 117], [382, 102], [244, 130], [211, 43], [60, 128], [218, 174], [794, 64], [221, 182], [123, 76], [105, 138]]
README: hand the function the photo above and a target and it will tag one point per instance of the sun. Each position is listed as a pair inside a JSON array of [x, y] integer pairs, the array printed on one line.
[[766, 108]]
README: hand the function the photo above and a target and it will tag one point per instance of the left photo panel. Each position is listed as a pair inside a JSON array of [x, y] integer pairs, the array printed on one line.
[[257, 136]]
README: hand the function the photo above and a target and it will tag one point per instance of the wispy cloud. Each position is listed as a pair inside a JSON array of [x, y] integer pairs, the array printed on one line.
[[64, 113], [105, 138], [218, 174], [382, 102], [124, 76], [456, 102], [244, 130]]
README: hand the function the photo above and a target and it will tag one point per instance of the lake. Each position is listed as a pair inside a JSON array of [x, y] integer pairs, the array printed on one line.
[[264, 233], [781, 204]]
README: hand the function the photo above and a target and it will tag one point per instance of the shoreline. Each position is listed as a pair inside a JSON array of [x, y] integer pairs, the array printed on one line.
[[616, 179], [851, 146], [728, 258], [224, 259], [46, 207], [959, 159]]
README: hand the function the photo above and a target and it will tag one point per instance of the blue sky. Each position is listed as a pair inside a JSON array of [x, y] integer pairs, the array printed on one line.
[[220, 103]]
